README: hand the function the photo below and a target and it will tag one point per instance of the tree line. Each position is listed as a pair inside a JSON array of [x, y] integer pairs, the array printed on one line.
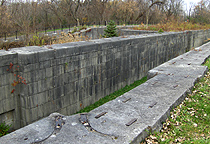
[[28, 16]]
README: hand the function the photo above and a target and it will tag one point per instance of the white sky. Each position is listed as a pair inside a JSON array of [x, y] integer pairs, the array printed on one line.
[[187, 3]]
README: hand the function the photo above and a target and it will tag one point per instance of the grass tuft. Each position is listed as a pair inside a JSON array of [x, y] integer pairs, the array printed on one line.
[[113, 95]]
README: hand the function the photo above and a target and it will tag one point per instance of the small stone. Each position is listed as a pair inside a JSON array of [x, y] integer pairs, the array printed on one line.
[[86, 124], [53, 135], [74, 123]]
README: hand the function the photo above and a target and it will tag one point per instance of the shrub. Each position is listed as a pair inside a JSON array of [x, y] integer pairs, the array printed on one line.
[[74, 30], [39, 41], [84, 27], [4, 128], [8, 45], [110, 31], [160, 30]]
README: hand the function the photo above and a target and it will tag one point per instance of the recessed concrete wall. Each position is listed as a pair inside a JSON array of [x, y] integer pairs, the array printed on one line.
[[67, 77], [96, 33]]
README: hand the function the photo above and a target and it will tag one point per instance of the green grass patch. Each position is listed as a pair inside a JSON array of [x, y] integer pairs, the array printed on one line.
[[4, 128], [190, 121], [113, 95]]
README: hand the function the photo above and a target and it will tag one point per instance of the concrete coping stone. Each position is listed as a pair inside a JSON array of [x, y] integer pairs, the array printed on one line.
[[4, 52], [29, 50]]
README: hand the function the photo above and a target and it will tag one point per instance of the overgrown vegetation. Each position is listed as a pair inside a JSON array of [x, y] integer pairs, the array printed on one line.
[[160, 30], [39, 41], [45, 40], [111, 30], [114, 95], [7, 45], [190, 121], [4, 129], [64, 38], [173, 25]]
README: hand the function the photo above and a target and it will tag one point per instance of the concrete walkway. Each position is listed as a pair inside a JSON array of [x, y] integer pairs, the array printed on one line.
[[128, 118]]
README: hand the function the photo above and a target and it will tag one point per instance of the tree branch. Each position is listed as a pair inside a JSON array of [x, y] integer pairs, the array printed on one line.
[[153, 3]]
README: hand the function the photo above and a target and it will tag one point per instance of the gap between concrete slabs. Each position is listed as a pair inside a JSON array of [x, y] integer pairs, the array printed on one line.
[[145, 108]]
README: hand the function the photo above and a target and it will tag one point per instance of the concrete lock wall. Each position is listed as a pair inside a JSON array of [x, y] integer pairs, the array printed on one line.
[[67, 77], [96, 33]]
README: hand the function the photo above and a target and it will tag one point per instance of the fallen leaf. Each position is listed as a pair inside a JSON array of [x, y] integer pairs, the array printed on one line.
[[153, 137]]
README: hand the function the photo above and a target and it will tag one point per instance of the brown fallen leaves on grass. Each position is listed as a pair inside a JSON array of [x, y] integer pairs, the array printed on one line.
[[190, 121]]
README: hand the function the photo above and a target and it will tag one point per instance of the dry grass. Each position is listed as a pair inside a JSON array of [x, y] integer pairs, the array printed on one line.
[[65, 38], [45, 40], [173, 26]]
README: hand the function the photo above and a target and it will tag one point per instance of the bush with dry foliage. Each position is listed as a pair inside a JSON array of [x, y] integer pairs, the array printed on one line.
[[45, 40]]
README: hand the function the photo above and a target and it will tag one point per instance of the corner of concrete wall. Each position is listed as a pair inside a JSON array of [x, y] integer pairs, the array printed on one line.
[[9, 111]]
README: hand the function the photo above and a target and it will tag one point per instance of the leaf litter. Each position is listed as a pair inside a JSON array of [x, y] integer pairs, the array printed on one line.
[[190, 121]]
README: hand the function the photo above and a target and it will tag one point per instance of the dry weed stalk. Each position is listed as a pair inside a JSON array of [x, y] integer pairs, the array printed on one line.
[[69, 37]]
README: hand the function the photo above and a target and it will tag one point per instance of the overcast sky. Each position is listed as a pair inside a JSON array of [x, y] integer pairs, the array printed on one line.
[[187, 3]]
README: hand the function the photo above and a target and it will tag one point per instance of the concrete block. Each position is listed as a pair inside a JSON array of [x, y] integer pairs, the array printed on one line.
[[58, 92], [3, 80], [63, 50], [46, 55], [58, 104], [23, 89], [27, 76], [63, 111], [25, 59], [40, 111], [34, 114], [29, 67], [7, 91], [42, 86], [33, 101], [2, 103], [7, 117], [74, 98], [24, 102], [69, 88], [58, 81], [42, 98], [54, 62], [65, 101], [7, 58], [57, 70], [35, 76], [44, 64], [3, 70], [48, 108], [26, 115], [8, 104], [33, 88], [49, 72]]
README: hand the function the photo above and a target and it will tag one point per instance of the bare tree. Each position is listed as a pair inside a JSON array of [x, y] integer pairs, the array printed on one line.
[[172, 7], [146, 5], [202, 12]]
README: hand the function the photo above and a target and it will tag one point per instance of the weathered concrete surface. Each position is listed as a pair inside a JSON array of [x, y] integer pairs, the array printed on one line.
[[149, 103]]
